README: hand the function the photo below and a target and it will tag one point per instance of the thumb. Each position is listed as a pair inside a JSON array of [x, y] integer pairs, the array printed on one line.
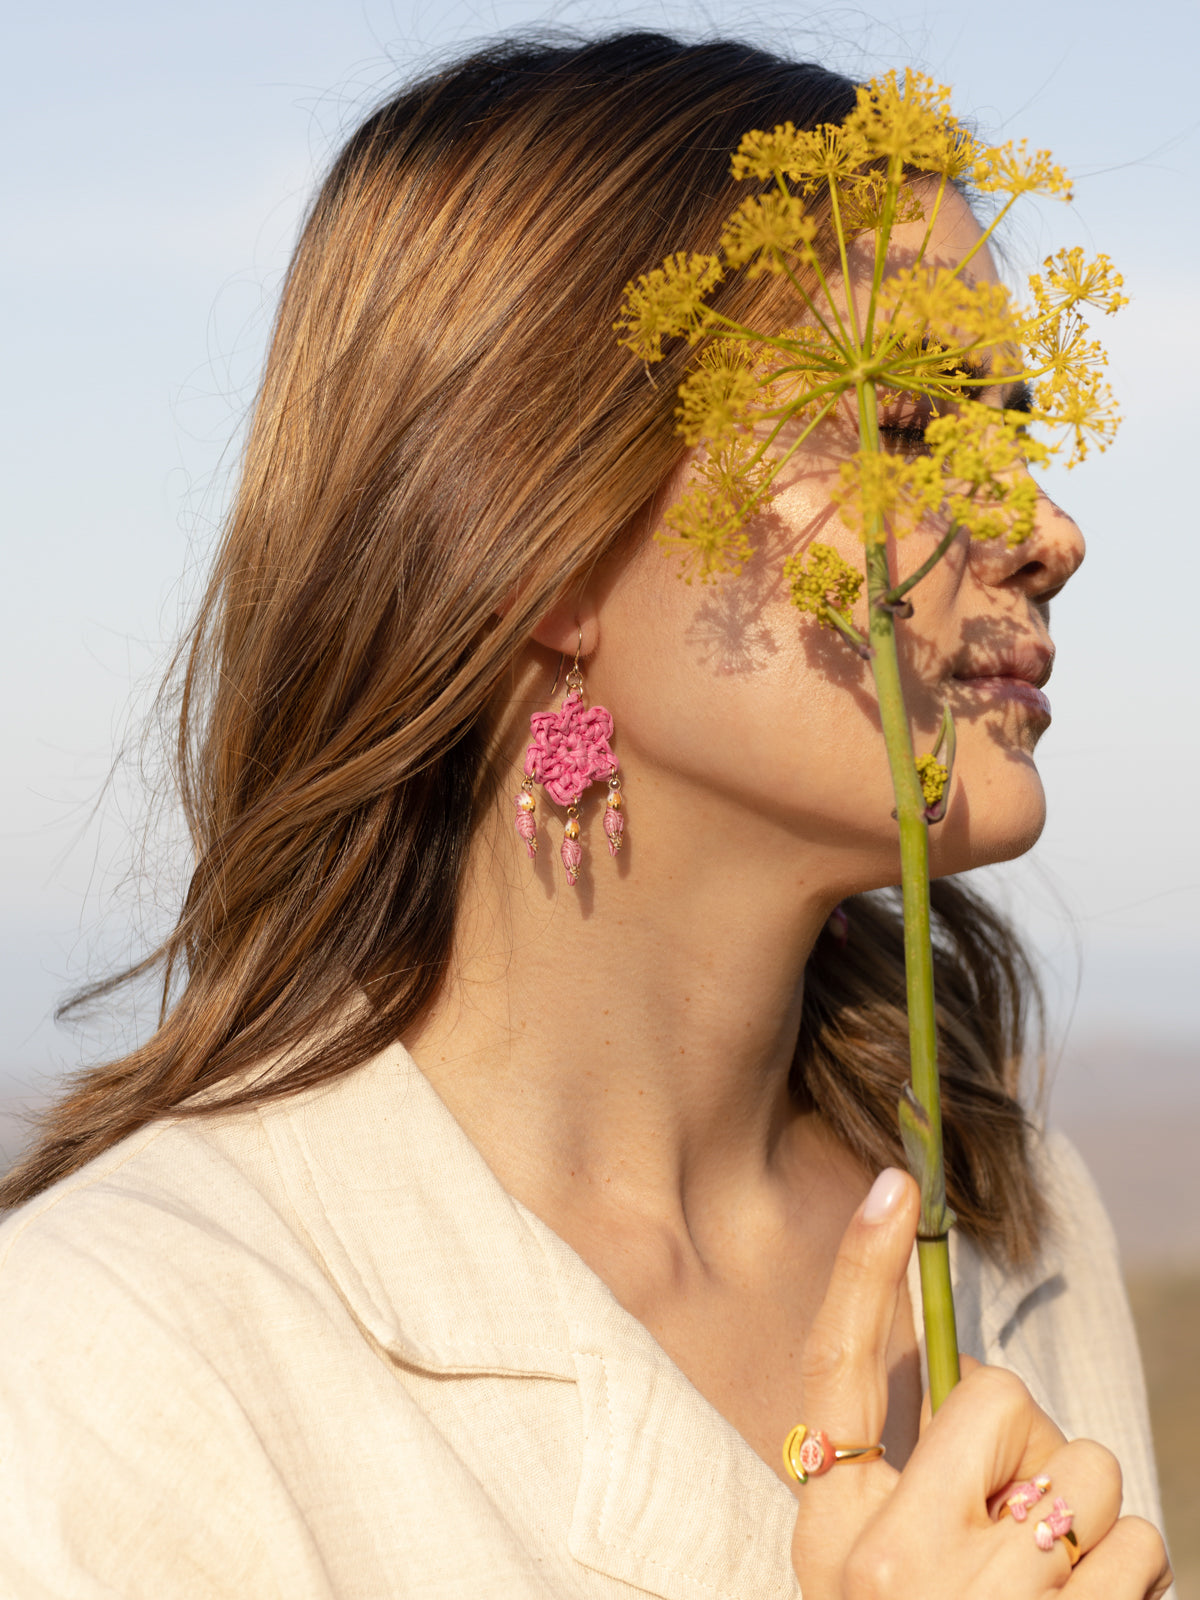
[[844, 1365]]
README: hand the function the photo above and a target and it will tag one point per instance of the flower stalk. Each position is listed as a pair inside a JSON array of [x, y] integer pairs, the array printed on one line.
[[920, 1108], [956, 388]]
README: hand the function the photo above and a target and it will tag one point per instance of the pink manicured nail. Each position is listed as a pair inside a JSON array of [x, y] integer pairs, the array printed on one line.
[[884, 1196]]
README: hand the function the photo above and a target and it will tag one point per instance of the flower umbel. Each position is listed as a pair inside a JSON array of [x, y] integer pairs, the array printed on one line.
[[668, 303], [765, 230], [933, 776], [706, 526], [824, 583]]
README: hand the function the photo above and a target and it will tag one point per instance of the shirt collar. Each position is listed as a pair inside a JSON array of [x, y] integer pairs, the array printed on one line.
[[445, 1271], [432, 1256]]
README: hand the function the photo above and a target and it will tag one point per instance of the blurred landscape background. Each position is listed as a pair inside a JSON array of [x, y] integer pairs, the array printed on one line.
[[160, 161]]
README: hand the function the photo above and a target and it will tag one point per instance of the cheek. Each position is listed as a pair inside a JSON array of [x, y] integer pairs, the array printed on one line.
[[728, 686]]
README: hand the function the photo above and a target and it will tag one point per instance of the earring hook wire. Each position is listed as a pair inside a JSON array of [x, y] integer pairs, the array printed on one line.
[[574, 672]]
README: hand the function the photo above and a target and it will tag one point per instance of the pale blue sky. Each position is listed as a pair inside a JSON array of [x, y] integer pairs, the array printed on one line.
[[157, 160]]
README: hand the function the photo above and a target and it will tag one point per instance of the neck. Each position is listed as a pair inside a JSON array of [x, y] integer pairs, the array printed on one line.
[[627, 1043]]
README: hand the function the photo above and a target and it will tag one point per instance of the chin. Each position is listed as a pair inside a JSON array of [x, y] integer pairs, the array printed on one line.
[[984, 824]]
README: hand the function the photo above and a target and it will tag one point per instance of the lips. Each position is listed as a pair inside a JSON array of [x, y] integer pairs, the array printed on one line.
[[1017, 677]]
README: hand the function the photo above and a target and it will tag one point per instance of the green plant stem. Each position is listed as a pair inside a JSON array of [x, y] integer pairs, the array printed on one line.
[[899, 590], [937, 1302], [941, 1339]]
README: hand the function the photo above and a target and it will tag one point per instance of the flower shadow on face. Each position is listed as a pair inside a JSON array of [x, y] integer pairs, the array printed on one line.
[[939, 660], [728, 633], [989, 638]]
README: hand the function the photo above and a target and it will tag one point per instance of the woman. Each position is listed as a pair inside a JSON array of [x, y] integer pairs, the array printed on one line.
[[464, 1228]]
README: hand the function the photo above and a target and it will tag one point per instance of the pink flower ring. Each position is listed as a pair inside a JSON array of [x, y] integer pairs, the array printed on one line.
[[1023, 1496]]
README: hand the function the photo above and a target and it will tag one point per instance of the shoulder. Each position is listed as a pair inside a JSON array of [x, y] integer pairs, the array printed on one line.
[[1076, 1256], [163, 1201], [126, 1446], [1076, 1210], [1077, 1268], [1072, 1334], [163, 1237], [1081, 1285], [224, 1354]]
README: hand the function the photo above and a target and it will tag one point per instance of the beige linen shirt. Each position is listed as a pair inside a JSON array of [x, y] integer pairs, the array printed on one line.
[[314, 1349]]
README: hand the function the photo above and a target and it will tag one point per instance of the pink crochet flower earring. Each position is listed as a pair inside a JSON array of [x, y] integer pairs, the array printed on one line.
[[569, 752]]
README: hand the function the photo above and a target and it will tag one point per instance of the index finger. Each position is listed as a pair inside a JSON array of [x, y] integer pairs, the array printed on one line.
[[844, 1366]]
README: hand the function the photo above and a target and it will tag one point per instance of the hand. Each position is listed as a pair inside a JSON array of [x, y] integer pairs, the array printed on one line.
[[867, 1532]]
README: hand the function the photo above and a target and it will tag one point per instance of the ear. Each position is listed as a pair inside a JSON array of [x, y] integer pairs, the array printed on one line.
[[570, 626]]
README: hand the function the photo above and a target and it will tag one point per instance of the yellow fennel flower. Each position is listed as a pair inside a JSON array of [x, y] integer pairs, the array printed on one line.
[[919, 306], [823, 582], [880, 494], [907, 121], [1011, 169], [718, 394], [1071, 280], [706, 526], [1082, 409], [981, 453], [668, 303], [768, 155], [764, 230], [934, 777], [932, 343]]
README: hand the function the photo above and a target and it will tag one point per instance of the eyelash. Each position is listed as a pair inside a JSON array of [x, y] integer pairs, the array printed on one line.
[[906, 439]]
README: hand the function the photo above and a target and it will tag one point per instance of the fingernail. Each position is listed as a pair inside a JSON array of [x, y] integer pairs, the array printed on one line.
[[884, 1196]]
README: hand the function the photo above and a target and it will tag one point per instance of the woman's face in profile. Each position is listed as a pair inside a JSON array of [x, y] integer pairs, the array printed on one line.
[[731, 696]]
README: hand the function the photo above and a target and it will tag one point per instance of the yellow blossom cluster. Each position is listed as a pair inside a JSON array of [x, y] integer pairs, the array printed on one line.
[[934, 778], [927, 312], [823, 582], [669, 302], [1072, 280], [765, 230], [981, 453], [970, 473], [717, 394], [999, 384], [878, 493], [900, 122], [1012, 170], [907, 122]]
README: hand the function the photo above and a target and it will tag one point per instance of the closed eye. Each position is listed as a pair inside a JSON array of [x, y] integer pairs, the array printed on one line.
[[903, 439], [903, 419]]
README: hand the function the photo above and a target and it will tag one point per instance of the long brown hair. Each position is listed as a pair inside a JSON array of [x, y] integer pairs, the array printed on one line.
[[446, 421]]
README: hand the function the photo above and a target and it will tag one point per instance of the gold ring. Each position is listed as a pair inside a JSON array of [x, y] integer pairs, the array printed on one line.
[[1055, 1525], [808, 1452], [1071, 1540]]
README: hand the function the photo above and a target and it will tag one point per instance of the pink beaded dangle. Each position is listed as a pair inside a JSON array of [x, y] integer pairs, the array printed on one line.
[[568, 753], [614, 817], [526, 823]]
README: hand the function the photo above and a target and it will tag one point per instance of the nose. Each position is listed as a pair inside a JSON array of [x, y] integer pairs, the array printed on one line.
[[1040, 565]]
